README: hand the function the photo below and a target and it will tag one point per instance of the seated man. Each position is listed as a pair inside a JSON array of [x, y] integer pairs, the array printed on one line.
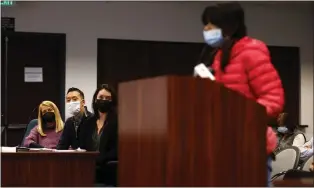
[[306, 150], [78, 115]]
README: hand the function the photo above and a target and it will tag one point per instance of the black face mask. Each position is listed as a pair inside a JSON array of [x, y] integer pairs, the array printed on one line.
[[49, 117], [103, 106]]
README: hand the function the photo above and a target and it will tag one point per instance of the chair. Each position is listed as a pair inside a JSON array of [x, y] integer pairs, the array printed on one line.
[[113, 168], [301, 175], [29, 127], [307, 163], [110, 175], [286, 159], [303, 141]]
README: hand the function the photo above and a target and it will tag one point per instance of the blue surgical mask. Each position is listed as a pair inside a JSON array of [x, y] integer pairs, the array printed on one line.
[[282, 130], [213, 37]]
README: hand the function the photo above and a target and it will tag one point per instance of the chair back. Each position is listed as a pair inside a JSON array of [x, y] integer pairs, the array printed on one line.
[[307, 163], [112, 167], [29, 127], [286, 159], [303, 141]]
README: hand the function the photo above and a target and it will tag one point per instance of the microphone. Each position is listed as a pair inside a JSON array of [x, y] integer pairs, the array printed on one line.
[[30, 117]]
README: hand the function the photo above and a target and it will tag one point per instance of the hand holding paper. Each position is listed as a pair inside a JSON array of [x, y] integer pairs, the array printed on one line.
[[202, 71]]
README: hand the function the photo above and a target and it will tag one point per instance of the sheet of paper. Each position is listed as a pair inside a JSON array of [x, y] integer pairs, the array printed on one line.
[[8, 149], [64, 151], [202, 71], [33, 74], [68, 151], [40, 149]]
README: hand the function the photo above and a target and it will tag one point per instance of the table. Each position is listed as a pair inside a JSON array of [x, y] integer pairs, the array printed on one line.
[[304, 182], [48, 169]]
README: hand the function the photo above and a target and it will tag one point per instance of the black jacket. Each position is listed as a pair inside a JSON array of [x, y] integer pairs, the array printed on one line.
[[70, 135], [108, 147]]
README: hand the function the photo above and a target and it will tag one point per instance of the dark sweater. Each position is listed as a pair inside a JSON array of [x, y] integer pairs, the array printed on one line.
[[70, 136], [108, 141], [34, 139]]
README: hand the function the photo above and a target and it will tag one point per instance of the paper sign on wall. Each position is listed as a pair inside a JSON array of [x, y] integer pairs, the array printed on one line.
[[32, 74]]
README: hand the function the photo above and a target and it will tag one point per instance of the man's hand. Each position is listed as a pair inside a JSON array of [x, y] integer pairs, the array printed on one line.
[[308, 147], [312, 167]]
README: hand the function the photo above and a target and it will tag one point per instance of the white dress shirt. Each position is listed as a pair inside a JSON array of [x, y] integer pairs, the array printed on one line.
[[306, 149]]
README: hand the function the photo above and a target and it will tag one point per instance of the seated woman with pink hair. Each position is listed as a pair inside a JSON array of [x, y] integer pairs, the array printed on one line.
[[49, 129]]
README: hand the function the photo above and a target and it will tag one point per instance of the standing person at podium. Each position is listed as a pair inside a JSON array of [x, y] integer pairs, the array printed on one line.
[[243, 63], [49, 129], [100, 133]]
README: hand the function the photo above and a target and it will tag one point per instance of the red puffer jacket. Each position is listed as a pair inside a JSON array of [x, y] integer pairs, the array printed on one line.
[[251, 73]]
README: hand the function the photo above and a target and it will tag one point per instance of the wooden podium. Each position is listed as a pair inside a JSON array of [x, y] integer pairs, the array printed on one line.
[[186, 131]]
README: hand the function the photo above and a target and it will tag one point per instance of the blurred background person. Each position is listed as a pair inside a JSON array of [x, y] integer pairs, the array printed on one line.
[[306, 150], [49, 129], [77, 115], [288, 135], [243, 63]]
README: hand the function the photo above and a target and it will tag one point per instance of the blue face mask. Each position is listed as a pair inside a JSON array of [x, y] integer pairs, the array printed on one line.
[[213, 37], [282, 130]]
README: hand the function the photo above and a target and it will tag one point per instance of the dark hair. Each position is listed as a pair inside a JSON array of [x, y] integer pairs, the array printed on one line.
[[285, 120], [77, 90], [230, 18], [113, 98], [289, 124], [282, 118]]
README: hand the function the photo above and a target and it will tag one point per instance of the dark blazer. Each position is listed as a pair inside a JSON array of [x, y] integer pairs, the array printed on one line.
[[108, 147], [70, 136]]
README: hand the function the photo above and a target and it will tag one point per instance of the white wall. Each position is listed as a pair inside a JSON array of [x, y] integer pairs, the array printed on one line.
[[282, 24]]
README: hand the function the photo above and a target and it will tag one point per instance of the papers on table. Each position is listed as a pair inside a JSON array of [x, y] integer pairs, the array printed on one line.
[[67, 151], [81, 150], [8, 149], [64, 151], [55, 150], [13, 150], [40, 149]]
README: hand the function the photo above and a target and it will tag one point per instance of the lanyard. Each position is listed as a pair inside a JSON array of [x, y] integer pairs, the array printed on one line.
[[76, 127]]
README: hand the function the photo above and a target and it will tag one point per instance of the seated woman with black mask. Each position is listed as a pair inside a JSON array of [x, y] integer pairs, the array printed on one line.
[[100, 132], [49, 129]]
